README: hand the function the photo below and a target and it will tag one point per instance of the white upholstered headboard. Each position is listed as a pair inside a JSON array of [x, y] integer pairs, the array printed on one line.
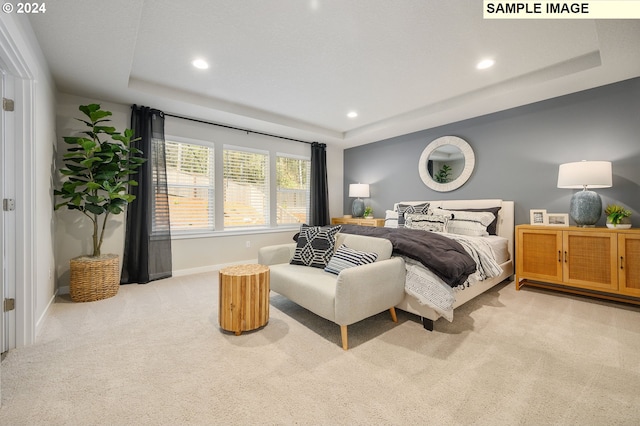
[[506, 219]]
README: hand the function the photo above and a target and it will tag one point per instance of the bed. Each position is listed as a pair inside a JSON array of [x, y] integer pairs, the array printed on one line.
[[426, 293]]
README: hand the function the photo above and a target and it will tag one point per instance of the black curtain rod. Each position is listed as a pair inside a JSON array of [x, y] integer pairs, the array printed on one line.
[[234, 128]]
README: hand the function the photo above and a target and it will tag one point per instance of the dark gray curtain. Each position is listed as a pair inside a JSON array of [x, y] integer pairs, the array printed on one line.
[[147, 247], [319, 209]]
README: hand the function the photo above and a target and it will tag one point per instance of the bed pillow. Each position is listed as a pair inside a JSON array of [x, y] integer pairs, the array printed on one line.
[[391, 219], [473, 224], [404, 209], [346, 257], [427, 222], [492, 228], [315, 246]]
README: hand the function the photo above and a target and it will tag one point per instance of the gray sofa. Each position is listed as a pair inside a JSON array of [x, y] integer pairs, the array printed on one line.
[[353, 295]]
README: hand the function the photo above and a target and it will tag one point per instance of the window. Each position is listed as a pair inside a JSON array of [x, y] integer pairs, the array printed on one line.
[[246, 188], [250, 188], [190, 182], [293, 175]]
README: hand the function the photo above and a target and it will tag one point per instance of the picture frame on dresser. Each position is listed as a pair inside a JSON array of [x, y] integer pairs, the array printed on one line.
[[557, 219], [538, 217]]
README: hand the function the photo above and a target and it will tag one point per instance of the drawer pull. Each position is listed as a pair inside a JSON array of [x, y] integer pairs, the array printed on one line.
[[621, 262], [559, 256], [565, 256]]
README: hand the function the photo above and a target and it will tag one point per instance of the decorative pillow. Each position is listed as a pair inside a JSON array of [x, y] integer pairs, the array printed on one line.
[[391, 219], [473, 224], [345, 258], [492, 228], [315, 246], [427, 222], [404, 209]]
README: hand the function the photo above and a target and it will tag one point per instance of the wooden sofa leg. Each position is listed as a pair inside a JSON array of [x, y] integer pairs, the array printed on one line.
[[343, 332], [392, 311]]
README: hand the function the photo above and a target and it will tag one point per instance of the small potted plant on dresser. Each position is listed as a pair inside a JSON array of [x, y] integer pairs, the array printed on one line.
[[368, 212], [98, 166], [617, 217]]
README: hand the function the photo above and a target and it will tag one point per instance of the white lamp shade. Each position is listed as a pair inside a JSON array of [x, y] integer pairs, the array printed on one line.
[[359, 190], [585, 174]]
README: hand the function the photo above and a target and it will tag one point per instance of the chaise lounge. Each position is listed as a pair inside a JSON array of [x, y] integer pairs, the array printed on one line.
[[352, 295]]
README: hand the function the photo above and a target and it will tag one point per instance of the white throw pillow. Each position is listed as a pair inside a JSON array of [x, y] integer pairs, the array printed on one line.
[[462, 222], [391, 219]]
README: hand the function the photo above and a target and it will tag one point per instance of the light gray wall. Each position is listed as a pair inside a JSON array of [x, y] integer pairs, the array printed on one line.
[[518, 152]]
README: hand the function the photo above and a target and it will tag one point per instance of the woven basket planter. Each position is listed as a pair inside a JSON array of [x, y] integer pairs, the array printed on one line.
[[94, 278]]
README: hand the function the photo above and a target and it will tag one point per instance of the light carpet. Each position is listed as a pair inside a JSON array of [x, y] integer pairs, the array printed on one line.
[[154, 355]]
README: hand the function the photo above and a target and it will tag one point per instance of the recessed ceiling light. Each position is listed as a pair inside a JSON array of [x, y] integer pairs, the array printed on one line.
[[485, 63], [352, 114], [200, 64]]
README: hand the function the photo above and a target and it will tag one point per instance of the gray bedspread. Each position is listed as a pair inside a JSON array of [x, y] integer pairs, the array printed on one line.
[[444, 256]]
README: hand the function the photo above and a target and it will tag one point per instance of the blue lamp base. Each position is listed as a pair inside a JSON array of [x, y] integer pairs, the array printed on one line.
[[357, 208], [585, 208]]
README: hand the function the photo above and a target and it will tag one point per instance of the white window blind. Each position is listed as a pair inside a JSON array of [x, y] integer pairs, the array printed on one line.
[[246, 188], [190, 182], [293, 175]]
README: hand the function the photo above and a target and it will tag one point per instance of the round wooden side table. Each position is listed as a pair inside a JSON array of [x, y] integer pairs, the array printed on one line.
[[243, 297]]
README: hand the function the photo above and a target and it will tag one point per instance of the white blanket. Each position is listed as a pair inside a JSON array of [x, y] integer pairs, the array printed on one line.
[[431, 291]]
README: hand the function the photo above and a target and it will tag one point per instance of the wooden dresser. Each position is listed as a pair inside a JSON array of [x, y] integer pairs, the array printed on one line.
[[357, 221], [598, 262]]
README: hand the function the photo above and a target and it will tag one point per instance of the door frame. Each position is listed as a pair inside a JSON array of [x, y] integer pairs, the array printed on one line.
[[23, 122]]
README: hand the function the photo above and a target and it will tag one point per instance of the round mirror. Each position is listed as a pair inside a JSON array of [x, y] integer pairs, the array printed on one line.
[[446, 163]]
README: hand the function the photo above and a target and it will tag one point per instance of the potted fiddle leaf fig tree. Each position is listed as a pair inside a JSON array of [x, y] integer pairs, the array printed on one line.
[[97, 169]]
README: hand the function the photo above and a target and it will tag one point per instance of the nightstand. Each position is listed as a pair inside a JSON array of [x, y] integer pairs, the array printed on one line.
[[357, 221]]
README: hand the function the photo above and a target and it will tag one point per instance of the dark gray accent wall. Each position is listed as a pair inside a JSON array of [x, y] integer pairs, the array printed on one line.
[[518, 152]]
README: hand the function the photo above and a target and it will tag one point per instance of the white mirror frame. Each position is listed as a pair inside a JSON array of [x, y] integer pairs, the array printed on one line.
[[469, 163]]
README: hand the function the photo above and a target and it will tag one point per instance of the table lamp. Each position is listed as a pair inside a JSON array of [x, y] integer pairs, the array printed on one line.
[[586, 206], [358, 190]]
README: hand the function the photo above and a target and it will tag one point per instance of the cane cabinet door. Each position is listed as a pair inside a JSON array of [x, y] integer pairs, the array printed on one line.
[[540, 254], [629, 264]]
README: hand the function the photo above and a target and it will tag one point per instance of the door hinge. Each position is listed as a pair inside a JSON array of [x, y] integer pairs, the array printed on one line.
[[9, 305], [7, 104], [8, 205]]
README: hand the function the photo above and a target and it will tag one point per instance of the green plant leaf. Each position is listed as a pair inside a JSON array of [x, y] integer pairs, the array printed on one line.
[[87, 144], [94, 199], [115, 209], [73, 139], [94, 208], [88, 109], [98, 115], [88, 163], [105, 129]]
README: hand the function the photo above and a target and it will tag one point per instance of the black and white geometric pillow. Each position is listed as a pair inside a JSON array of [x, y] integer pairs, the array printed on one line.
[[346, 257], [404, 209], [316, 245], [427, 222]]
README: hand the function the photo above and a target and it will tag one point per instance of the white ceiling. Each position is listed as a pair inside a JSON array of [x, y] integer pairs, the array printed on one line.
[[297, 67]]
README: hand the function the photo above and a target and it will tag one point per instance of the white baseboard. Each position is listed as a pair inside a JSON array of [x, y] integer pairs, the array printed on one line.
[[40, 322], [209, 268], [179, 273]]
